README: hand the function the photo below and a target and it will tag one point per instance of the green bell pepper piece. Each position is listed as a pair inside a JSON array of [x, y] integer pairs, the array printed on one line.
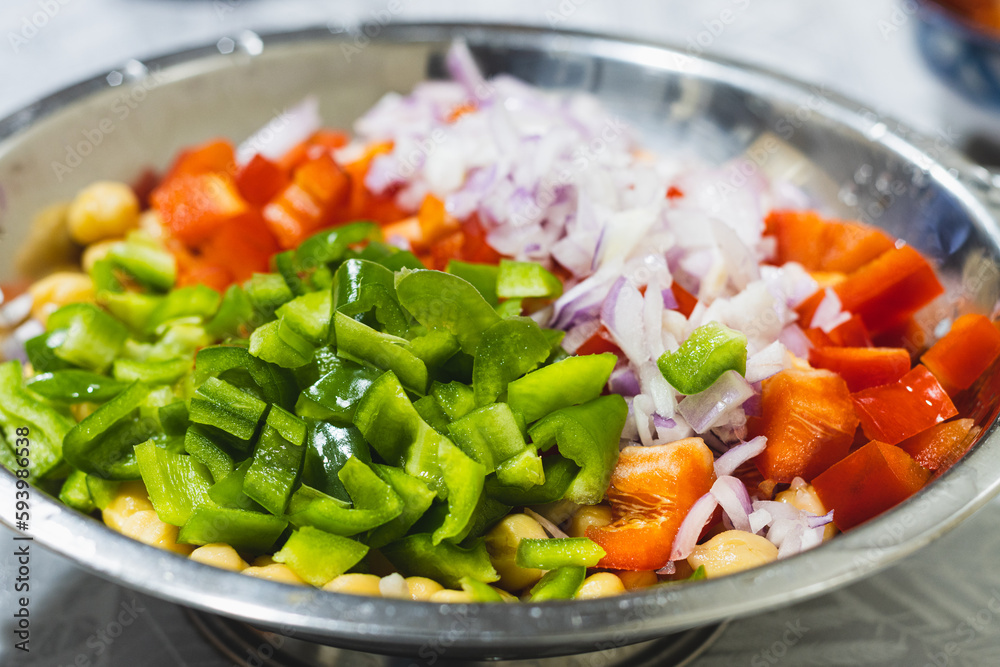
[[555, 553], [434, 348], [328, 447], [132, 308], [41, 352], [176, 483], [446, 563], [463, 478], [242, 529], [199, 444], [331, 245], [391, 425], [102, 491], [374, 503], [360, 343], [266, 291], [284, 263], [526, 280], [710, 350], [455, 398], [402, 259], [74, 493], [76, 386], [218, 403], [228, 491], [429, 410], [479, 591], [508, 350], [151, 372], [569, 382], [481, 276], [318, 557], [360, 286], [93, 338], [277, 464], [510, 308], [416, 498], [558, 473], [589, 434], [524, 470], [149, 263], [336, 394], [442, 301], [488, 513], [233, 315], [174, 418], [489, 435], [309, 316], [561, 584], [236, 365], [279, 344], [197, 302], [103, 444]]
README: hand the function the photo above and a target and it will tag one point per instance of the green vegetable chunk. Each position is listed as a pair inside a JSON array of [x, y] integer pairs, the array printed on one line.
[[241, 529], [569, 382], [464, 478], [446, 563], [508, 350], [199, 443], [76, 386], [92, 337], [360, 343], [556, 553], [481, 276], [177, 483], [416, 498], [359, 287], [220, 404], [526, 280], [335, 395], [103, 444], [710, 350], [589, 435], [558, 473], [76, 494], [328, 447], [277, 464], [318, 557], [479, 591], [561, 584], [374, 503], [309, 316], [279, 344]]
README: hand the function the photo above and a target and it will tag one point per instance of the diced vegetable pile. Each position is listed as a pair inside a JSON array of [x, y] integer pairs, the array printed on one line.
[[476, 367]]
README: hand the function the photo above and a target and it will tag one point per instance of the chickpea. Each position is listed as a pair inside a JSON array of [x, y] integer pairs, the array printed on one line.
[[274, 572], [356, 584], [804, 497], [453, 597], [58, 289], [48, 245], [587, 516], [634, 580], [600, 585], [732, 551], [102, 210], [219, 555], [130, 498], [501, 543], [146, 527], [422, 588]]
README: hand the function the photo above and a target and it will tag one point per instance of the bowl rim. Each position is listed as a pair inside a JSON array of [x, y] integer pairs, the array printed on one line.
[[392, 626]]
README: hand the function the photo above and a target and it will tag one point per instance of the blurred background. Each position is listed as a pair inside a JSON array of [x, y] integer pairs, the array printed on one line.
[[897, 57]]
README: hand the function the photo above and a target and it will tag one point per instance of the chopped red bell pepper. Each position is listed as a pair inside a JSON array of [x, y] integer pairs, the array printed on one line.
[[243, 247], [194, 206], [214, 156], [476, 249], [964, 353], [940, 446], [599, 343], [893, 412], [809, 422], [435, 222], [868, 482], [888, 290], [862, 367], [652, 490], [851, 333], [825, 245], [260, 179], [686, 301], [203, 273]]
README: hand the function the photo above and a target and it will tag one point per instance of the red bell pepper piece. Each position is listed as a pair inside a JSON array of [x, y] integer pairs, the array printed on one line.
[[476, 249], [851, 333], [213, 156], [809, 422], [869, 481], [203, 273], [194, 206], [435, 222], [652, 490], [260, 180], [824, 245], [599, 343], [893, 412], [243, 247], [862, 367], [964, 353], [686, 301], [888, 290], [940, 446]]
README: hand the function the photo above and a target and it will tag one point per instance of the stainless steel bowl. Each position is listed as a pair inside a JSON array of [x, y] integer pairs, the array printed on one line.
[[855, 163]]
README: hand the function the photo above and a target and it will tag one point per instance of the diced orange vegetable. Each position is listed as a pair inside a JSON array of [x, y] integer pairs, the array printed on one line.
[[435, 222], [964, 353], [894, 412], [318, 190], [444, 250], [825, 245], [862, 367], [242, 247], [260, 179], [868, 482], [939, 445], [202, 273], [407, 229], [324, 181], [461, 110], [851, 333], [194, 206], [214, 156], [888, 290], [476, 249], [686, 301], [809, 422], [652, 490]]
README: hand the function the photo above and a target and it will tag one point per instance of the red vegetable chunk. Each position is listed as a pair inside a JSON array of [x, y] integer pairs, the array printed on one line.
[[863, 367], [868, 482], [260, 180], [194, 206], [809, 422], [652, 490], [962, 355], [893, 412], [940, 446], [825, 245]]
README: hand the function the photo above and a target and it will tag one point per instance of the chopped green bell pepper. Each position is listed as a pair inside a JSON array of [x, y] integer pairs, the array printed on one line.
[[236, 365], [508, 350], [132, 308], [569, 382], [489, 435], [526, 280], [463, 478], [218, 403], [93, 338], [76, 386], [360, 286], [455, 398], [197, 302], [416, 498], [279, 344], [277, 461], [233, 316], [103, 444], [328, 447], [479, 591], [360, 343], [151, 372], [558, 473], [228, 492], [554, 553], [242, 529], [213, 455], [176, 483], [147, 262], [710, 350], [481, 276], [374, 503], [446, 563], [309, 316], [318, 557], [76, 494], [561, 584]]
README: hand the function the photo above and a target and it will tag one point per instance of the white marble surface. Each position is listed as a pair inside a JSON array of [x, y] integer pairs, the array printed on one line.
[[938, 608]]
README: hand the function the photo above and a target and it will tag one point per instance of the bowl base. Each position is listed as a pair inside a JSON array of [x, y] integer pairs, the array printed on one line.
[[249, 647]]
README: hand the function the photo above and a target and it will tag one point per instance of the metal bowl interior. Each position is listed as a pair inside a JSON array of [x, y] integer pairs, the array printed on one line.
[[850, 161]]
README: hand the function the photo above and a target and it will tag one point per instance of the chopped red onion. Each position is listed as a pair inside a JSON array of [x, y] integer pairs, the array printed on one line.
[[829, 314], [667, 569], [710, 407], [732, 495], [552, 529], [463, 69], [765, 363], [795, 341], [690, 529], [15, 311], [623, 381], [669, 300], [729, 462], [663, 422]]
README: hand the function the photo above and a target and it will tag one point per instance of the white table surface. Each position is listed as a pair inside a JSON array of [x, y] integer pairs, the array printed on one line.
[[936, 608]]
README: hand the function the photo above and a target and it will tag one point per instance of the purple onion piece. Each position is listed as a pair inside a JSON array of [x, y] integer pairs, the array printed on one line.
[[707, 408], [690, 530], [731, 493], [728, 463]]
